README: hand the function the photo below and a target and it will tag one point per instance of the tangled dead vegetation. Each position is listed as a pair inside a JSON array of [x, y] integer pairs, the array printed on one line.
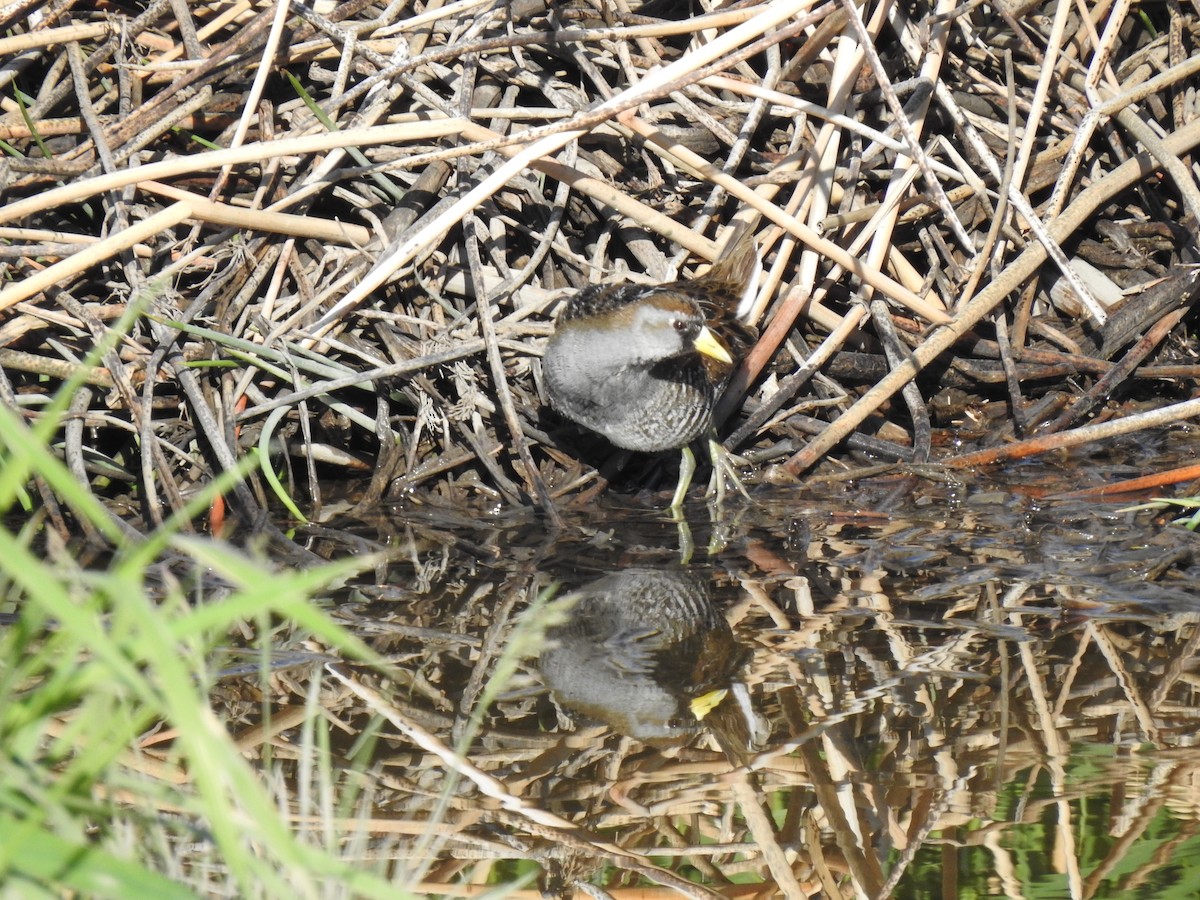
[[999, 197]]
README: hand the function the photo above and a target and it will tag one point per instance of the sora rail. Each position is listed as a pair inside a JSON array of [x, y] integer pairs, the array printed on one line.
[[640, 364]]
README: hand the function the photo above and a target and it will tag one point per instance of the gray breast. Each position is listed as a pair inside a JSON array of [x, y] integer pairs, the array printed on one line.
[[646, 408]]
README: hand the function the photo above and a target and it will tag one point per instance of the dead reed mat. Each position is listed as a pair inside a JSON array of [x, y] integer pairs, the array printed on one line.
[[339, 233]]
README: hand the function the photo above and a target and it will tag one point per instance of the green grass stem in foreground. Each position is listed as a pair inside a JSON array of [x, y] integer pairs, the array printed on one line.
[[96, 658]]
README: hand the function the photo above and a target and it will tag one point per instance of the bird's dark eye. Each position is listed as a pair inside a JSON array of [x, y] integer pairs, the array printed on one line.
[[679, 325]]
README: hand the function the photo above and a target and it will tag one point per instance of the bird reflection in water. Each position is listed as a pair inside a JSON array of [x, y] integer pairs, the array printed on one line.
[[649, 654]]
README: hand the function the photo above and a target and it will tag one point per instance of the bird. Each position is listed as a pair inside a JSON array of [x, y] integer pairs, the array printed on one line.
[[645, 651], [643, 365]]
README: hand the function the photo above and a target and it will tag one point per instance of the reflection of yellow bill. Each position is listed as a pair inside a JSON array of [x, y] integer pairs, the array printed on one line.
[[708, 344], [704, 704]]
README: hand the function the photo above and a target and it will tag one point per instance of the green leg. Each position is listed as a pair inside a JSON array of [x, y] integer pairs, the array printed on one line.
[[687, 468], [723, 463]]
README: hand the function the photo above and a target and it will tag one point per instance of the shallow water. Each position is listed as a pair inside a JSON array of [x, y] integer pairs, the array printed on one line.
[[909, 685]]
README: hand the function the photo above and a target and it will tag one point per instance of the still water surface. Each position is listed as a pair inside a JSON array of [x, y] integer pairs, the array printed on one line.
[[908, 685]]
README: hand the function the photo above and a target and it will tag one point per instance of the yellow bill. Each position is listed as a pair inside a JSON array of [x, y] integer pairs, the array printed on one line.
[[704, 704], [708, 344]]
